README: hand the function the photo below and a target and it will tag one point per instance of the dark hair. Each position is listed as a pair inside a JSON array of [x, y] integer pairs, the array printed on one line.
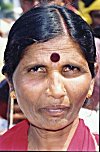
[[41, 24]]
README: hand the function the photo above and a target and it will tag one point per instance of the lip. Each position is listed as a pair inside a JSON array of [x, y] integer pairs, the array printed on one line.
[[55, 111]]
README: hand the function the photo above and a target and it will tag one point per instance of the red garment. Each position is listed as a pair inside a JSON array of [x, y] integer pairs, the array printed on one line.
[[17, 138]]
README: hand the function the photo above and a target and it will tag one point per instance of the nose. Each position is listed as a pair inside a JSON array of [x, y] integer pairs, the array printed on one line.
[[56, 87]]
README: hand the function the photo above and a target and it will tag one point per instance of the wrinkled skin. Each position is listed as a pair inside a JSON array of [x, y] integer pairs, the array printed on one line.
[[52, 94]]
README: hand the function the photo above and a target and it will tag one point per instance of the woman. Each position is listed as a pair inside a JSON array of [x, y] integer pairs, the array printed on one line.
[[50, 66]]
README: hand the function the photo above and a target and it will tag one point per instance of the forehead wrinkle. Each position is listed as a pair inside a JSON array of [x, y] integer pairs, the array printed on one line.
[[61, 45], [47, 52], [55, 42], [52, 47], [65, 58]]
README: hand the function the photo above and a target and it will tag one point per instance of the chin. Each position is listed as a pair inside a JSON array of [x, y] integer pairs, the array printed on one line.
[[55, 125]]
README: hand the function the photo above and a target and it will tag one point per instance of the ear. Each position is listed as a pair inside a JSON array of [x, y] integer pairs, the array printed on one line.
[[96, 68], [92, 81], [11, 87], [90, 91]]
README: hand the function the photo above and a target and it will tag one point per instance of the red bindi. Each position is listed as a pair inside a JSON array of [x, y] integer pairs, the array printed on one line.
[[55, 57]]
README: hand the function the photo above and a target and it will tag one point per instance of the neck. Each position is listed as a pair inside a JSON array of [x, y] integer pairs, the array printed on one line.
[[40, 139]]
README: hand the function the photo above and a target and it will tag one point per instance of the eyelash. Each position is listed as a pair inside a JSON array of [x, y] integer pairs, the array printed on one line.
[[36, 68], [66, 68], [71, 68]]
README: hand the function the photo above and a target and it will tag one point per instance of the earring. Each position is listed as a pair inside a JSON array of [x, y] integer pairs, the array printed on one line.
[[12, 95], [89, 94]]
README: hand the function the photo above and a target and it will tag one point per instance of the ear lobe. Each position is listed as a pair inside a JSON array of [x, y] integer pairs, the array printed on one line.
[[89, 94], [96, 68], [93, 81], [11, 88]]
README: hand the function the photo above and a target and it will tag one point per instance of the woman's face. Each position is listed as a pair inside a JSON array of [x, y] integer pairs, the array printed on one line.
[[51, 93]]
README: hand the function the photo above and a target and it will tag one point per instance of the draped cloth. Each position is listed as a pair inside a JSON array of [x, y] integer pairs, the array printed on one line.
[[16, 138], [85, 11]]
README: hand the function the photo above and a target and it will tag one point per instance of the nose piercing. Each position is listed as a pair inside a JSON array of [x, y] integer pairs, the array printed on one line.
[[55, 57]]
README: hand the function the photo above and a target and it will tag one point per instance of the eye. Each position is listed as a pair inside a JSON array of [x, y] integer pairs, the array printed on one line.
[[38, 69], [71, 70], [68, 68]]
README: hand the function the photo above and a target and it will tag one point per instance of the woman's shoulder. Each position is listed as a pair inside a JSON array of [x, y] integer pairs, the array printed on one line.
[[90, 137], [14, 135], [96, 137]]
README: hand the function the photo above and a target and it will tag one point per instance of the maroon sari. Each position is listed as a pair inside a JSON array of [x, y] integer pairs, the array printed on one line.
[[17, 138]]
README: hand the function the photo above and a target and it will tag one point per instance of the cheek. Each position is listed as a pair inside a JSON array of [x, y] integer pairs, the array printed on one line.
[[28, 92], [27, 97], [78, 89]]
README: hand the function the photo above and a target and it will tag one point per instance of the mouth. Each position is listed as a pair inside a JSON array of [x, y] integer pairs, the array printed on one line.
[[55, 111]]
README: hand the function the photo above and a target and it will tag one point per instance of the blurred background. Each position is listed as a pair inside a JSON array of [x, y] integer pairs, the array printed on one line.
[[10, 10]]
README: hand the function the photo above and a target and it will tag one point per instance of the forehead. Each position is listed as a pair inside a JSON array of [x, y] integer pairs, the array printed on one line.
[[60, 45], [40, 53], [65, 47]]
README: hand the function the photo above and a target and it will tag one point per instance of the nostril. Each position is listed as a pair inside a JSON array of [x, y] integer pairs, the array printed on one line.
[[56, 93]]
